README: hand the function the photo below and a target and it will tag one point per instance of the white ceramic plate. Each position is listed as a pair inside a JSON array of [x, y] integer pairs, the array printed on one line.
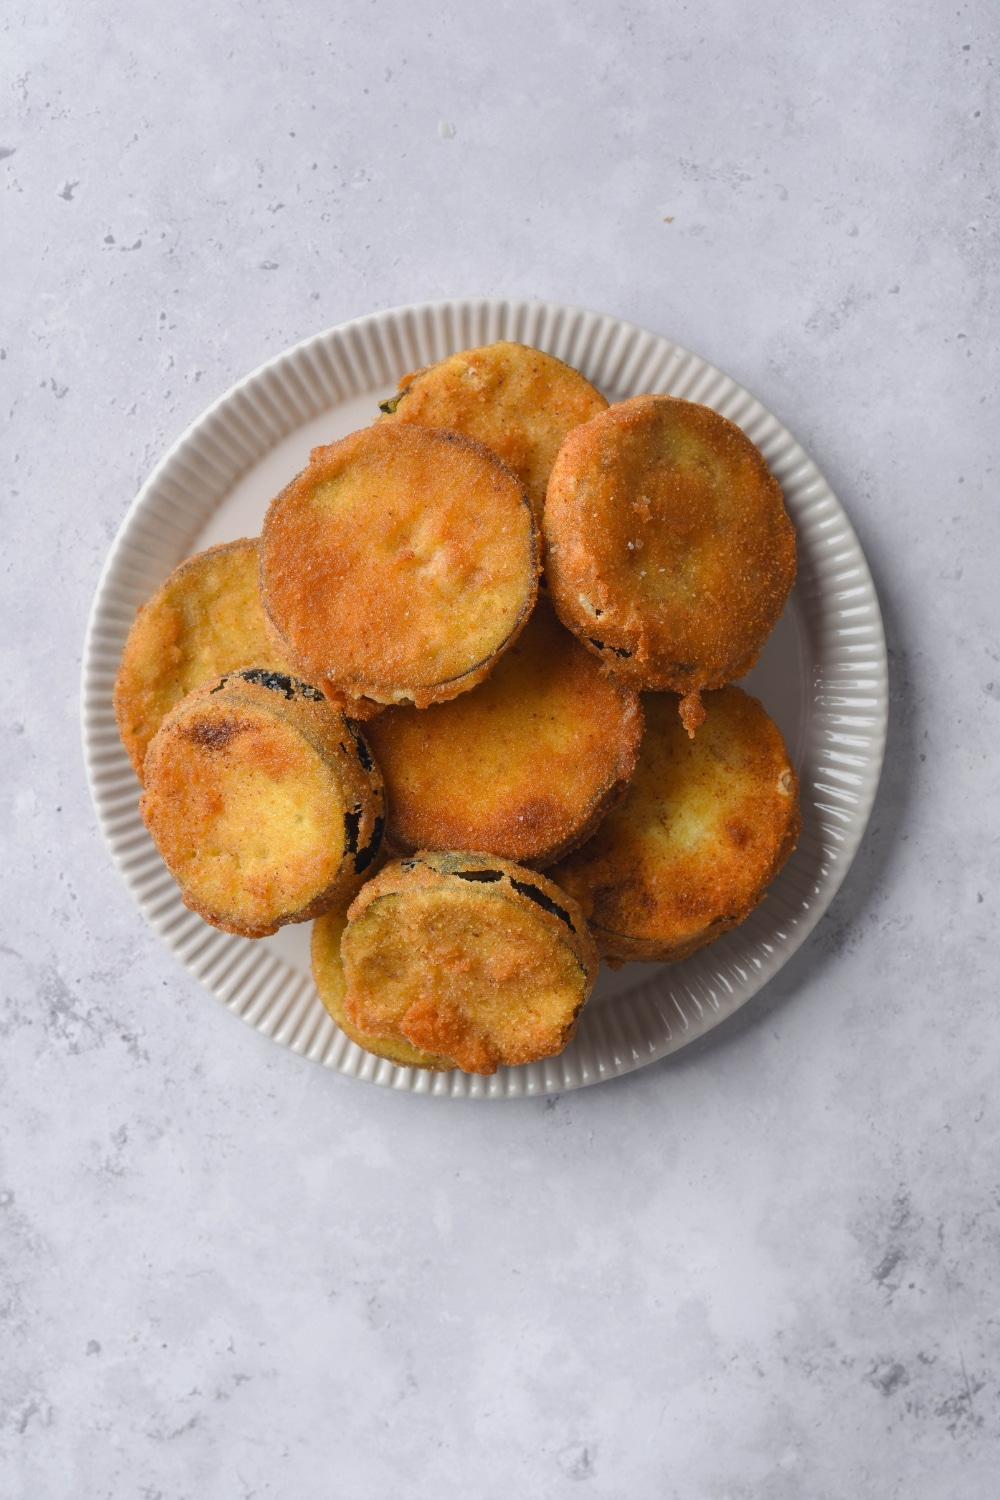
[[822, 677]]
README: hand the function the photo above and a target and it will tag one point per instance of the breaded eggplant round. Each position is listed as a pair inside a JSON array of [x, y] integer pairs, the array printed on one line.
[[399, 564], [467, 957], [518, 401], [669, 550], [703, 830], [328, 973], [525, 765], [263, 800], [205, 619]]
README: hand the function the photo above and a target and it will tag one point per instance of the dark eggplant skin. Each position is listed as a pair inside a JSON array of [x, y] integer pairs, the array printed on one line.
[[276, 682], [516, 882]]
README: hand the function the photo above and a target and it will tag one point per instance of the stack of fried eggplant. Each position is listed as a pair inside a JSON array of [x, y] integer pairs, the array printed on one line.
[[491, 635]]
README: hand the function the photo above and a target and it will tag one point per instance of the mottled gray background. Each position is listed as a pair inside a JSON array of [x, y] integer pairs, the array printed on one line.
[[764, 1269]]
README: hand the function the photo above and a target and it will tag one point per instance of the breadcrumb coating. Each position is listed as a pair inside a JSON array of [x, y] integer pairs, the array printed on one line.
[[467, 957], [399, 564], [525, 765], [703, 830], [669, 550], [204, 619], [518, 401]]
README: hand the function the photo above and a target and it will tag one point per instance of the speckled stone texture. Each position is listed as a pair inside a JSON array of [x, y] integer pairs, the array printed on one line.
[[765, 1269]]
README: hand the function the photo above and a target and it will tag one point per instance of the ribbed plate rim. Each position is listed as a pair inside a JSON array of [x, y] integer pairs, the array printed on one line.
[[677, 1003]]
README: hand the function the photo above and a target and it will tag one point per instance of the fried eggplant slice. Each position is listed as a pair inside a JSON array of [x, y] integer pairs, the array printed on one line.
[[525, 765], [205, 619], [264, 801], [669, 550], [399, 564], [704, 828], [518, 401], [328, 972], [467, 957]]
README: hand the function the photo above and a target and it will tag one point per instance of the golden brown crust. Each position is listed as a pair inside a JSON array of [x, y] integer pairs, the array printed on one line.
[[669, 551], [359, 709], [204, 619], [399, 564], [264, 802], [328, 973], [705, 827], [518, 401], [468, 957], [524, 766]]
